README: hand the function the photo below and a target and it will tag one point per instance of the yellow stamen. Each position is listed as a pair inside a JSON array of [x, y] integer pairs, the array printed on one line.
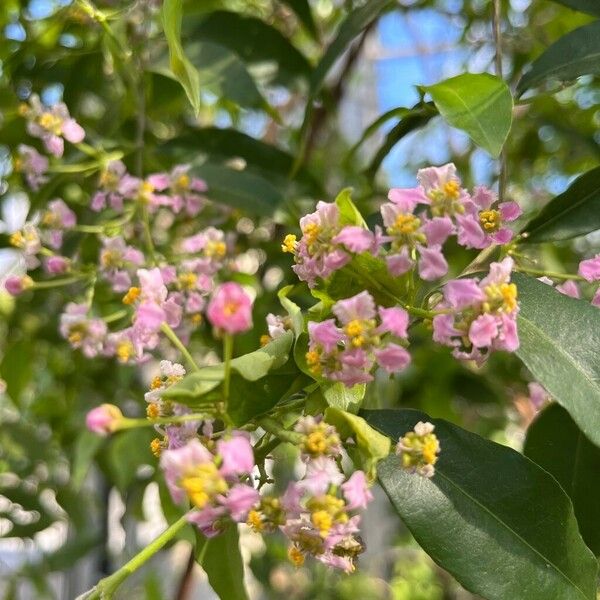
[[490, 220], [296, 557], [196, 319], [255, 520], [265, 339], [124, 351], [187, 281], [289, 243], [323, 521], [156, 446], [152, 411], [216, 249], [132, 295], [452, 189], [204, 483]]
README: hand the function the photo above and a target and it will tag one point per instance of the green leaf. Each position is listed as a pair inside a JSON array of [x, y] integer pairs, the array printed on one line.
[[182, 68], [255, 42], [588, 6], [337, 395], [248, 192], [304, 14], [411, 119], [353, 24], [574, 212], [371, 446], [293, 310], [575, 54], [85, 448], [559, 339], [501, 525], [479, 104], [349, 214], [556, 444], [220, 557]]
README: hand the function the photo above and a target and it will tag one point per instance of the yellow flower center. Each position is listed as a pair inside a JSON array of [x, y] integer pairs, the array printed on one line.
[[289, 243], [132, 295], [182, 183], [313, 360], [124, 350], [17, 239], [203, 484], [490, 220], [265, 339], [316, 442], [323, 521], [108, 179], [215, 249], [111, 258], [144, 191], [156, 383], [501, 297], [311, 232], [187, 281], [296, 557], [405, 224], [255, 520], [51, 123], [452, 189], [156, 446], [152, 411], [196, 319]]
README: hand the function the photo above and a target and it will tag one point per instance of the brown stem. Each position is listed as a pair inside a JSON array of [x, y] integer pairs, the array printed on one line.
[[187, 578]]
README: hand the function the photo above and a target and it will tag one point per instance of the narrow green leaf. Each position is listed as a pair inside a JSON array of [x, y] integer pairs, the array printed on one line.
[[371, 446], [574, 212], [354, 23], [293, 310], [587, 6], [255, 42], [349, 214], [575, 54], [413, 119], [221, 559], [491, 517], [250, 193], [479, 104], [559, 339], [182, 68], [556, 444], [304, 14]]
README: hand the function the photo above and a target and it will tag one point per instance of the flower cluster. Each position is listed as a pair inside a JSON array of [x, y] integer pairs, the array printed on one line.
[[347, 349], [419, 449], [479, 315], [590, 270]]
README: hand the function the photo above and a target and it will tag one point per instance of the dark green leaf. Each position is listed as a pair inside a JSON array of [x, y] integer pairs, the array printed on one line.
[[354, 23], [574, 212], [575, 54], [182, 68], [560, 338], [492, 518], [588, 6], [302, 10], [556, 444], [413, 119], [220, 557], [248, 192], [479, 104], [255, 42]]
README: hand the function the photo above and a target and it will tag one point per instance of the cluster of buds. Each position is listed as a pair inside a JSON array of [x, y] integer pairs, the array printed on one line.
[[418, 449], [481, 315], [346, 350]]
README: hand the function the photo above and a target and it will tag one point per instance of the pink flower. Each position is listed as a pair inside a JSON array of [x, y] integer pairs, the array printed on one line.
[[590, 269], [569, 288], [239, 500], [321, 473], [33, 166], [83, 332], [17, 284], [433, 264], [103, 419], [461, 293], [442, 187], [356, 239], [230, 309], [356, 491], [483, 330], [394, 320], [398, 264], [237, 455], [57, 265], [359, 307], [407, 199], [111, 190], [537, 394], [326, 334], [185, 191], [393, 358]]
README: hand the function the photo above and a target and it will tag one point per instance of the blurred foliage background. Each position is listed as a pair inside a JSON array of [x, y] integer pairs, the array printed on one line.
[[63, 492]]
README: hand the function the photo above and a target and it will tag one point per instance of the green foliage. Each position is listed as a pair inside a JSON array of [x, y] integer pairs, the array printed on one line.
[[499, 523], [556, 444], [573, 213], [559, 340], [588, 6], [571, 56], [480, 104]]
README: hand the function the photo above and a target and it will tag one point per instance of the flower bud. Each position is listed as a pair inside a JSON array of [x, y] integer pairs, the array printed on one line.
[[103, 419], [17, 284]]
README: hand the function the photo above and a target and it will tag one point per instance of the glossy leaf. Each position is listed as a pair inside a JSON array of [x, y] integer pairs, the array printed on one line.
[[556, 444], [588, 6], [480, 105], [181, 66], [254, 41], [293, 310], [250, 193], [575, 54], [560, 338], [221, 559], [304, 14], [501, 525], [574, 212]]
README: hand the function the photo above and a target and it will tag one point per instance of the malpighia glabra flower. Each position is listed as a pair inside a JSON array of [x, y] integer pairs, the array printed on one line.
[[23, 236], [482, 315], [230, 308], [17, 284], [326, 245], [419, 449], [58, 217], [184, 191], [319, 438], [590, 270], [82, 331], [51, 124], [118, 262], [208, 249], [32, 165], [103, 419], [112, 188], [567, 288], [442, 189], [211, 482], [346, 350], [483, 223], [414, 238]]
